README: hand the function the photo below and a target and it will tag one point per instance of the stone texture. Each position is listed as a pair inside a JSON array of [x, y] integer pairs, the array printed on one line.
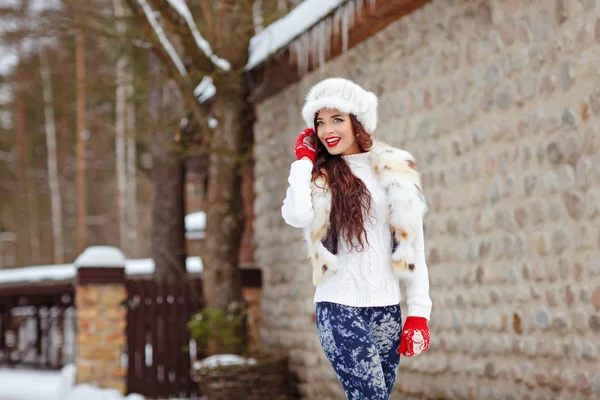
[[101, 323], [499, 101]]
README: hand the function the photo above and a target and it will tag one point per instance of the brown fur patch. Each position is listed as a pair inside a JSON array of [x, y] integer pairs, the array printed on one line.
[[400, 265], [320, 234], [377, 171], [324, 268], [400, 234]]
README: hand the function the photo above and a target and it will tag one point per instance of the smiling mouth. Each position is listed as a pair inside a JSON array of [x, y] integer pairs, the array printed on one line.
[[333, 141]]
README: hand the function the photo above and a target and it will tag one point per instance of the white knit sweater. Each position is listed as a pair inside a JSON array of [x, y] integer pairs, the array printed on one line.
[[365, 278]]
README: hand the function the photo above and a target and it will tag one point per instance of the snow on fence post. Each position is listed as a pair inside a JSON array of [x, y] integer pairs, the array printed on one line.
[[100, 294]]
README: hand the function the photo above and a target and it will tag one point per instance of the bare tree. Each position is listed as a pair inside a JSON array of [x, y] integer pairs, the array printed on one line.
[[215, 49], [123, 84], [53, 178], [82, 136], [131, 167]]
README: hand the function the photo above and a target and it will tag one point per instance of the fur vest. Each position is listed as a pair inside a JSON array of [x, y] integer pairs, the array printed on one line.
[[396, 172]]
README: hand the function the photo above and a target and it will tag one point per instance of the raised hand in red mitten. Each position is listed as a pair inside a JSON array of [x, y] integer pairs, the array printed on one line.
[[415, 337], [305, 144]]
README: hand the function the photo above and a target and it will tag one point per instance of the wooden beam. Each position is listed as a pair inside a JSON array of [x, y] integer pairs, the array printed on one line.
[[281, 70]]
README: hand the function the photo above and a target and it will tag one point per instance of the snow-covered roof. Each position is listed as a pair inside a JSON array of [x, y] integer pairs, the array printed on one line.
[[62, 272], [283, 31]]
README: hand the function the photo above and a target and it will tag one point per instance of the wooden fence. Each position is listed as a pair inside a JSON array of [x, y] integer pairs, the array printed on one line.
[[158, 343], [38, 329], [37, 325]]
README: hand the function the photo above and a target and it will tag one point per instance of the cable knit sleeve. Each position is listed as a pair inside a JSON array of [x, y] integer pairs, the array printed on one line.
[[297, 209], [417, 285]]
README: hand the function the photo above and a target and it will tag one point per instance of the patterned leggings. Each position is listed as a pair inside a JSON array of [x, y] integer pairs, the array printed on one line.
[[361, 344]]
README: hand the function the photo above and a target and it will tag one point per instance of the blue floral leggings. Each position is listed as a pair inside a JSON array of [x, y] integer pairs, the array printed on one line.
[[361, 344]]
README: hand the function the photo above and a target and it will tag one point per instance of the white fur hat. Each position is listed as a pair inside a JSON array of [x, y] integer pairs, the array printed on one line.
[[344, 95]]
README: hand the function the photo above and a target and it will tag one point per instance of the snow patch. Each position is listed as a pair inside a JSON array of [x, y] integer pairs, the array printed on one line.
[[69, 391], [38, 273], [196, 221], [101, 256], [184, 11], [67, 380], [205, 89], [162, 37], [8, 60], [64, 272], [19, 384], [222, 360], [39, 6]]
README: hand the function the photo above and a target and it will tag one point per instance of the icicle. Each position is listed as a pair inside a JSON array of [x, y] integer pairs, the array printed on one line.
[[337, 19], [300, 50], [345, 27], [351, 14], [359, 7], [314, 39], [314, 46], [328, 28], [323, 43]]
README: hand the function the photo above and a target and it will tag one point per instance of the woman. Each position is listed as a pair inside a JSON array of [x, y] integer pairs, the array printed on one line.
[[361, 208]]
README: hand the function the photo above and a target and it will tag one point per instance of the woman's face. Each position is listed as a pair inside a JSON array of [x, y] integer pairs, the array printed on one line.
[[334, 130]]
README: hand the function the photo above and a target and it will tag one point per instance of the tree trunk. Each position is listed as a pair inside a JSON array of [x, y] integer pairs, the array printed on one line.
[[65, 147], [82, 136], [120, 127], [225, 211], [54, 183], [66, 79], [168, 230], [125, 141], [23, 242], [33, 217], [131, 193]]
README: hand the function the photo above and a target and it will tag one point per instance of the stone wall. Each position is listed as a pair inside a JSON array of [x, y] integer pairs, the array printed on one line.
[[500, 103], [101, 335]]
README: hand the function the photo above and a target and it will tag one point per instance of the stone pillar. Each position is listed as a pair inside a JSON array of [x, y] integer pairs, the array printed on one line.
[[101, 317]]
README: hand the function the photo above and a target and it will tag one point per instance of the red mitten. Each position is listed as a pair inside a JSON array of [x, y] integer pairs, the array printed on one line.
[[305, 145], [415, 337]]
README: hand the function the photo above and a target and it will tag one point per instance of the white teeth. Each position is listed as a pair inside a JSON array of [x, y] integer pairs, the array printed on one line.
[[333, 140]]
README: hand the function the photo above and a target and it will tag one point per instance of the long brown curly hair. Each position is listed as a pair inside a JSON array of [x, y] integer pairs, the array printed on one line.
[[350, 199]]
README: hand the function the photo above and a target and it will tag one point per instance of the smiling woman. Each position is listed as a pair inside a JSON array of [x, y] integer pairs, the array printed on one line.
[[361, 208], [335, 131]]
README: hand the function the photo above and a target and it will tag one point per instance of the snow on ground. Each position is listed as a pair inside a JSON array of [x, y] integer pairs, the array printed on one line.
[[18, 384], [22, 384], [222, 360]]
